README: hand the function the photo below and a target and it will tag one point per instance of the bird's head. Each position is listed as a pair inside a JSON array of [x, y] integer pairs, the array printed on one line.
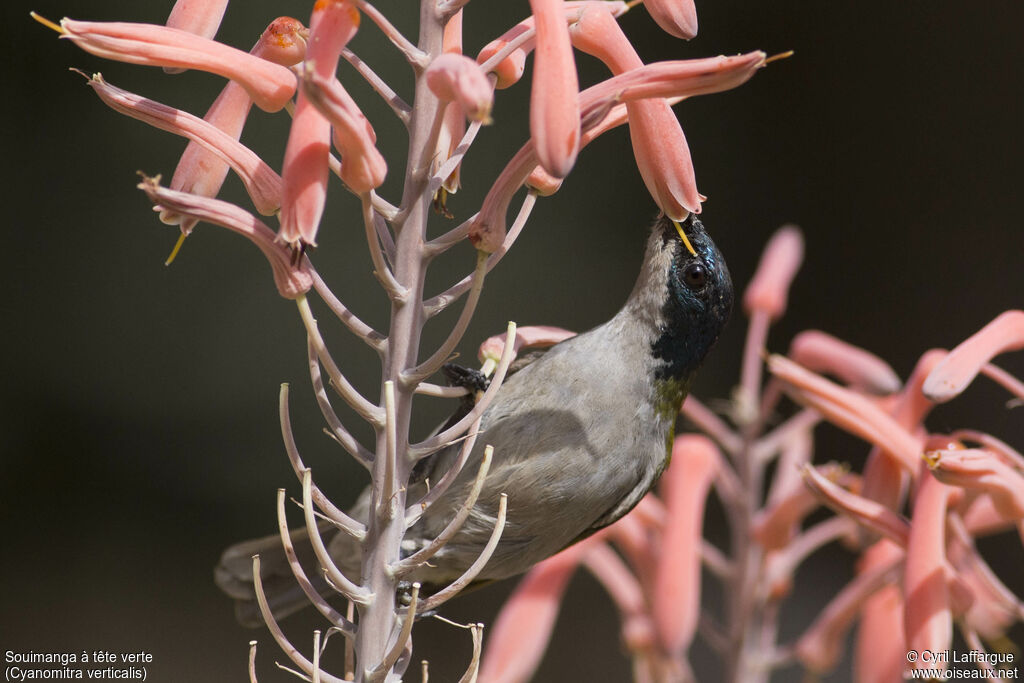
[[696, 293]]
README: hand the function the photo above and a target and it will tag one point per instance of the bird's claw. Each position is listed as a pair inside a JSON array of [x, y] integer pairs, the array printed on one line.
[[467, 378]]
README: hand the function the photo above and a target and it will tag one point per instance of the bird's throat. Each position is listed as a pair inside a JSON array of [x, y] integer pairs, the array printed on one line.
[[668, 396]]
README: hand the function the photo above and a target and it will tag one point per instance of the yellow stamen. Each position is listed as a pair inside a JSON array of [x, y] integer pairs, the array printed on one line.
[[682, 236], [632, 3], [932, 458], [47, 23], [782, 55], [177, 248], [441, 203]]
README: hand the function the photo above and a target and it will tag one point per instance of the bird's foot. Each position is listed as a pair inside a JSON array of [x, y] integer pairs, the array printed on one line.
[[467, 378]]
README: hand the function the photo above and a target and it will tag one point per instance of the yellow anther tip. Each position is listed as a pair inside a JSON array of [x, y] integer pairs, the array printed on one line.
[[47, 23], [782, 55], [177, 248]]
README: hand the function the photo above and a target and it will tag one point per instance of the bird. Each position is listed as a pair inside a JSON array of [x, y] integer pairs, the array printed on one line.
[[580, 432]]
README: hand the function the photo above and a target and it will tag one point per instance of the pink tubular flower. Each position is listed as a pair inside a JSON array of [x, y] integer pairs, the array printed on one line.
[[820, 646], [487, 232], [261, 182], [1005, 333], [662, 79], [927, 614], [981, 470], [305, 169], [636, 533], [270, 85], [456, 78], [554, 106], [849, 410], [675, 78], [664, 160], [282, 42], [769, 288], [1008, 455], [524, 626], [638, 631], [862, 510], [764, 301], [684, 488], [544, 183], [776, 524], [885, 480], [528, 336], [994, 607], [453, 127], [292, 279], [983, 518], [662, 154], [821, 352], [1004, 379], [510, 69], [305, 175], [880, 653], [201, 17], [675, 17], [363, 168], [201, 171]]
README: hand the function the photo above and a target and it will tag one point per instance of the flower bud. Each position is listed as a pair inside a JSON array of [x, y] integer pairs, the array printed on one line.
[[305, 169], [456, 78], [554, 104], [675, 17]]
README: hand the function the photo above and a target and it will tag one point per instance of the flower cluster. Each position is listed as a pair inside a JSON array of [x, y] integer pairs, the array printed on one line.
[[914, 514], [292, 61], [294, 67]]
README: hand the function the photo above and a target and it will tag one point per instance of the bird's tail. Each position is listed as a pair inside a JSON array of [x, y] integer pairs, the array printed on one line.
[[233, 575]]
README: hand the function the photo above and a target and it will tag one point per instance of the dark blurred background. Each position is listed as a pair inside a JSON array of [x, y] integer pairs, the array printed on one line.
[[139, 405]]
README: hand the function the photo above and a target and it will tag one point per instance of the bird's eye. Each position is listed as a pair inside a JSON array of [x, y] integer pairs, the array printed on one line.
[[695, 276]]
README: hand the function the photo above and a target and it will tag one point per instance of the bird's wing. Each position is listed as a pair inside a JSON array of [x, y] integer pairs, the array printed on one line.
[[617, 511], [525, 359], [471, 379]]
